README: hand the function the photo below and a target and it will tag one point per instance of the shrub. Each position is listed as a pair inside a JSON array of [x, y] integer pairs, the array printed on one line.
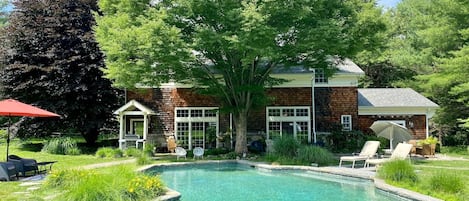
[[217, 151], [103, 152], [143, 159], [345, 141], [131, 152], [117, 153], [62, 145], [231, 155], [148, 150], [398, 170], [88, 185], [109, 152], [446, 182], [315, 154], [286, 146]]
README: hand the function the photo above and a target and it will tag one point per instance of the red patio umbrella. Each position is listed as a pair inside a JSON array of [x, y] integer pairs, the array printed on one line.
[[11, 107]]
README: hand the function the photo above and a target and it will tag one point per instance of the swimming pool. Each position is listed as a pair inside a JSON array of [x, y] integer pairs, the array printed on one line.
[[234, 181]]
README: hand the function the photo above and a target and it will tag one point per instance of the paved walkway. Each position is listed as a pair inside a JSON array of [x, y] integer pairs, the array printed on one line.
[[106, 164]]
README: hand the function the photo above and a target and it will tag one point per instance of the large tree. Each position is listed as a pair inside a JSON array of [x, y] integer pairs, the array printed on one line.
[[430, 37], [52, 60], [227, 49]]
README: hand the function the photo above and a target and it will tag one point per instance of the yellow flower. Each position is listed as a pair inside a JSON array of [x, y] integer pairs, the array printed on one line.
[[131, 190]]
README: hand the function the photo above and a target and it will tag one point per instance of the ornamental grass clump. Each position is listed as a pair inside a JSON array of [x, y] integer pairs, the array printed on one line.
[[286, 147], [315, 154], [119, 183], [398, 170], [446, 182], [62, 145], [143, 159]]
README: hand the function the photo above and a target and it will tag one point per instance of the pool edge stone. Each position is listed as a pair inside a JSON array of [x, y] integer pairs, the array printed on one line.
[[354, 173]]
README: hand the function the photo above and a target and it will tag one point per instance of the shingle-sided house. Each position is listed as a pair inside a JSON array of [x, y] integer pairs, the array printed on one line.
[[306, 107]]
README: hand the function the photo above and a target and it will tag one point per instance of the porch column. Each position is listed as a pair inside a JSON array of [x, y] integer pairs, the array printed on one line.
[[121, 130], [145, 128]]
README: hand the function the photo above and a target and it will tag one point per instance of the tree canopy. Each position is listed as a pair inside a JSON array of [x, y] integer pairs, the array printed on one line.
[[52, 60], [241, 42]]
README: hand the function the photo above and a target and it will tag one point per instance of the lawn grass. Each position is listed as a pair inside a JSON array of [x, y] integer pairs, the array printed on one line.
[[32, 150], [427, 168]]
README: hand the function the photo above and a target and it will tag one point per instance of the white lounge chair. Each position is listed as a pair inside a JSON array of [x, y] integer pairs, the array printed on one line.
[[369, 149], [198, 152], [180, 152], [400, 153]]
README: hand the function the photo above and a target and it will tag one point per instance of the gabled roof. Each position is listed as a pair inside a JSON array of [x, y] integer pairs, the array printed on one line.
[[393, 97], [133, 105], [345, 66], [348, 66]]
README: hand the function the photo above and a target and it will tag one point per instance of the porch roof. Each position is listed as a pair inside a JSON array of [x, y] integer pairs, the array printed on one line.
[[132, 105], [393, 97]]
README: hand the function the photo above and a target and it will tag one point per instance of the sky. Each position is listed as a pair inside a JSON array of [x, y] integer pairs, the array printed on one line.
[[388, 3]]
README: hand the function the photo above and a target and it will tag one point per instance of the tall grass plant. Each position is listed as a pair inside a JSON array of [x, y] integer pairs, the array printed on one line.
[[446, 182], [286, 146], [398, 171], [88, 185], [61, 145], [315, 154]]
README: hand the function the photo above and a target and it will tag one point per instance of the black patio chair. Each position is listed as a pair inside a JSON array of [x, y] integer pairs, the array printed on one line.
[[24, 165]]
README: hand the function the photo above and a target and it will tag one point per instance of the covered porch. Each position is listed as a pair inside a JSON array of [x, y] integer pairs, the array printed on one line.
[[134, 120]]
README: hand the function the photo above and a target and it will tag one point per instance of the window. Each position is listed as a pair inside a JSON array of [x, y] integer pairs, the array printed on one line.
[[192, 124], [346, 121], [320, 76], [289, 121]]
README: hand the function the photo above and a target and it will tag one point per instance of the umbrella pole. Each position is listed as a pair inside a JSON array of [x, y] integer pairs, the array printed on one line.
[[392, 136], [8, 136]]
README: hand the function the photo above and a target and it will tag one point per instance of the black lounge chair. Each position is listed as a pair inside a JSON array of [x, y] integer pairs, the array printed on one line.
[[24, 165], [7, 171]]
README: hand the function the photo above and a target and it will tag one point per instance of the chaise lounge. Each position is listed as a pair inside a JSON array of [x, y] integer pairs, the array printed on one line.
[[369, 149], [401, 152]]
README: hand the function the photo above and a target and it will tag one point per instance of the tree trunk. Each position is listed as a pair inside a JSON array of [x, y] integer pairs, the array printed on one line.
[[91, 136], [241, 130]]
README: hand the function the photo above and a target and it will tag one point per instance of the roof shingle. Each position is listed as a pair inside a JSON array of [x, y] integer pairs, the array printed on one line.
[[393, 97]]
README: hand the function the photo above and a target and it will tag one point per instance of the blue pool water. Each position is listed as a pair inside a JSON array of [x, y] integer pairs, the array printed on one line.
[[233, 181]]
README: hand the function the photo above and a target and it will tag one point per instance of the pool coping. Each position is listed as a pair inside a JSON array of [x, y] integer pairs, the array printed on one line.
[[173, 195]]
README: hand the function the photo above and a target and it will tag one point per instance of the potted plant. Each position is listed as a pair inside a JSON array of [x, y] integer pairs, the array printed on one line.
[[428, 146]]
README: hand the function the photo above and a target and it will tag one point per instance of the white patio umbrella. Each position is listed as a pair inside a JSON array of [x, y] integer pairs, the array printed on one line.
[[391, 131]]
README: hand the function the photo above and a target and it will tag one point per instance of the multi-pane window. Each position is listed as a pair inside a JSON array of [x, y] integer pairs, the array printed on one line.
[[191, 125], [182, 134], [320, 76], [346, 121], [289, 121]]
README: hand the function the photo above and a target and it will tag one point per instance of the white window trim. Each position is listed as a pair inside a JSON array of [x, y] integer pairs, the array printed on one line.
[[321, 79], [293, 119], [342, 122], [189, 120], [132, 125]]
